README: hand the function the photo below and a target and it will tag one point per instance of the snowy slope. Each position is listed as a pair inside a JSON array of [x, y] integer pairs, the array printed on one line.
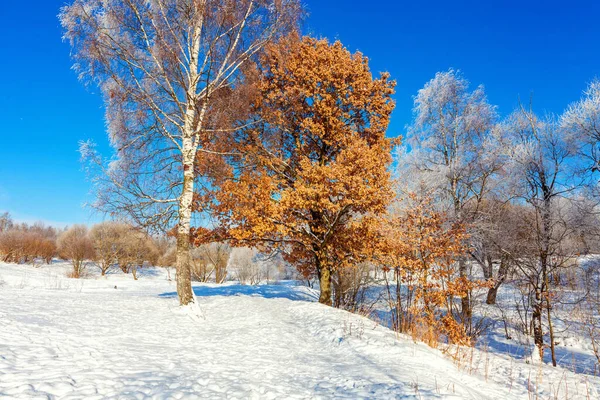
[[119, 338]]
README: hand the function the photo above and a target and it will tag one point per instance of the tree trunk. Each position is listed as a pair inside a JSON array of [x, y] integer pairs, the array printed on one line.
[[551, 331], [493, 291], [546, 297], [192, 122], [536, 321], [465, 301], [183, 260], [325, 285], [401, 323], [491, 295]]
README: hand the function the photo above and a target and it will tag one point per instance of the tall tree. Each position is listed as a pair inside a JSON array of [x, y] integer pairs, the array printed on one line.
[[318, 155], [452, 148], [540, 162], [160, 65]]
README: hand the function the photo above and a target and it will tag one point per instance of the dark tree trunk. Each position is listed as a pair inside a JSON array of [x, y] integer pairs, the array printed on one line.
[[325, 285], [491, 295], [465, 301], [502, 273]]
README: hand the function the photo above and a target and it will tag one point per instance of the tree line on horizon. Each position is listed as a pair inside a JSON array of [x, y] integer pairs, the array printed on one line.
[[117, 247]]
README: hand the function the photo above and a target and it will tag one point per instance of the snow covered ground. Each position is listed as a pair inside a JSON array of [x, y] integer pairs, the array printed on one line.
[[119, 338]]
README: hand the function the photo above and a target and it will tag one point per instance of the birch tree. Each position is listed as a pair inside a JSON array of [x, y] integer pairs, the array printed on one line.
[[452, 148], [160, 65]]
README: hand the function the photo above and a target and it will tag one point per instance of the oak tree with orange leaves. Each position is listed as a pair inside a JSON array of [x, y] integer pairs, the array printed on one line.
[[314, 170]]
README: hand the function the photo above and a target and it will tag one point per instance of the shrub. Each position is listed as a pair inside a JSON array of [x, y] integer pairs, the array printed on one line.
[[75, 245]]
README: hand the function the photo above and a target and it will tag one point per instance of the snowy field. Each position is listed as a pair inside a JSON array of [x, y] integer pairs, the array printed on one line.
[[114, 337]]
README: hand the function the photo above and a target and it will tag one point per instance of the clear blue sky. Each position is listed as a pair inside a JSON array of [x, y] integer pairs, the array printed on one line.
[[550, 48]]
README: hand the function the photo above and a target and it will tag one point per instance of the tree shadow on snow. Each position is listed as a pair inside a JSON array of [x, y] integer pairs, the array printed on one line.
[[287, 290]]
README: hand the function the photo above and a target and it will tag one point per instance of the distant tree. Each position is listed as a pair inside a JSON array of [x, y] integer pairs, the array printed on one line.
[[161, 65], [315, 158], [6, 222], [107, 238], [136, 251], [245, 265], [76, 246], [24, 243]]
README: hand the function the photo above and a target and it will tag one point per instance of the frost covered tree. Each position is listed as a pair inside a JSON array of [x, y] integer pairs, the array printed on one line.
[[540, 172], [319, 159], [161, 66], [453, 149], [6, 222], [582, 121]]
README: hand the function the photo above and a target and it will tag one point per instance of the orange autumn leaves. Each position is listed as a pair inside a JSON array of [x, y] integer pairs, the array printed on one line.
[[315, 159], [421, 247]]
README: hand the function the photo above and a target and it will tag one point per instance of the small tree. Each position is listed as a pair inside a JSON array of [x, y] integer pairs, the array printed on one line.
[[422, 248], [167, 257], [75, 245]]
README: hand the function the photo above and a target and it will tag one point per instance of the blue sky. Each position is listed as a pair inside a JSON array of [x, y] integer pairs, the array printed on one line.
[[515, 48]]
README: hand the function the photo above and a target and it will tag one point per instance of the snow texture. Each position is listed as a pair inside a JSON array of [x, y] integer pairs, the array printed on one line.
[[109, 338]]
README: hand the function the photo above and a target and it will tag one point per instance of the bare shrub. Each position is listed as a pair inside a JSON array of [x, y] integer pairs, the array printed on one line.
[[106, 239], [75, 245], [218, 256], [210, 260], [350, 287], [244, 266], [167, 255], [11, 245], [201, 271], [136, 249]]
